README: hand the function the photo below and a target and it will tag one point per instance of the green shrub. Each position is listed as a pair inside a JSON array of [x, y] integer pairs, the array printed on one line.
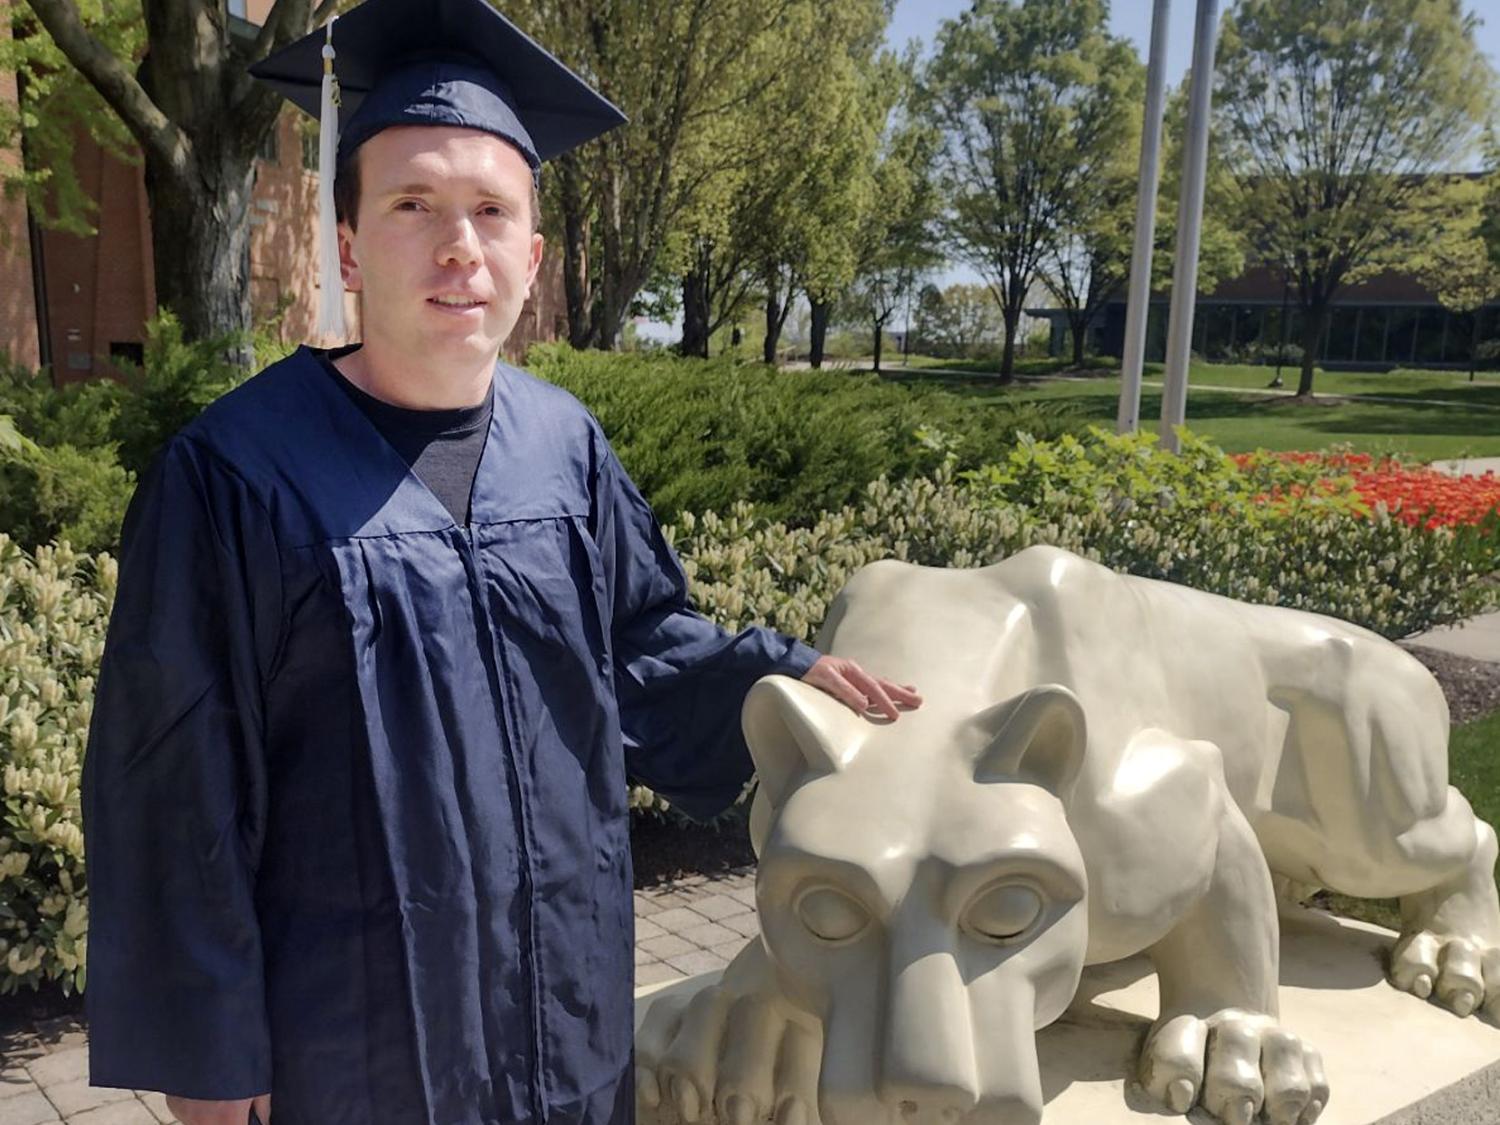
[[68, 470], [53, 608], [1194, 518], [170, 388], [698, 435]]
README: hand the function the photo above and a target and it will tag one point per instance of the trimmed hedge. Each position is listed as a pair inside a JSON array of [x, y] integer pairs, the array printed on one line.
[[700, 435], [1268, 533]]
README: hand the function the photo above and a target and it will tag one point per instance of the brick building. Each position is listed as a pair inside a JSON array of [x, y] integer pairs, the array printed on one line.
[[69, 303]]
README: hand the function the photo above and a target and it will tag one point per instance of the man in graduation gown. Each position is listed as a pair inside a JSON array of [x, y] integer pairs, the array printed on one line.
[[393, 627]]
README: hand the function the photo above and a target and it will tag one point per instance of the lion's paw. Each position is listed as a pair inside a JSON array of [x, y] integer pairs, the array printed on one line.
[[1235, 1064], [720, 1056], [1464, 975]]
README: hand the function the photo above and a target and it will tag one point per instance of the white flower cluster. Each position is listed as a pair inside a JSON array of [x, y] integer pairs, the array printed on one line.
[[54, 606], [1195, 518]]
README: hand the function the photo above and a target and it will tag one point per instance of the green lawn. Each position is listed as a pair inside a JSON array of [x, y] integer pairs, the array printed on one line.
[[1474, 769], [1438, 415]]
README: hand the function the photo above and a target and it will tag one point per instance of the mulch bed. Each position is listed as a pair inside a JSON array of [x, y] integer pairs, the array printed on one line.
[[1472, 687], [667, 848]]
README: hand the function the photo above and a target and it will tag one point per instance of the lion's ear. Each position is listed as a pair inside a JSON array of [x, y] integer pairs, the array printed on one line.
[[1039, 736], [792, 728]]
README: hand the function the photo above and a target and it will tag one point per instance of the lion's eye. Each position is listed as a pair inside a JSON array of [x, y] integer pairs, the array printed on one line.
[[1004, 912], [831, 915]]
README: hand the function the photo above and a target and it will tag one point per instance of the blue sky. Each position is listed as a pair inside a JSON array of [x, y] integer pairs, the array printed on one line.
[[919, 19]]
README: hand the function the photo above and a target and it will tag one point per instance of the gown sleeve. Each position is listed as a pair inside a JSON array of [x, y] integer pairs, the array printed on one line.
[[680, 680], [174, 789]]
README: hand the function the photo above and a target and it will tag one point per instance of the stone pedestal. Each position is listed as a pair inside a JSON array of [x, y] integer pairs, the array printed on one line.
[[1391, 1059]]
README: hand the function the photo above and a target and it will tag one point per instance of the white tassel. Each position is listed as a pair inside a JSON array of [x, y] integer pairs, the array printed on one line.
[[331, 297]]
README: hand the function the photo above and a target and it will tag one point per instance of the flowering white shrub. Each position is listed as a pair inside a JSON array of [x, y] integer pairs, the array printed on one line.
[[1196, 518], [54, 606]]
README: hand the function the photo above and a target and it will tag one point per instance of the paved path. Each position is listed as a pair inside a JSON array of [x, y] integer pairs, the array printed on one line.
[[688, 927]]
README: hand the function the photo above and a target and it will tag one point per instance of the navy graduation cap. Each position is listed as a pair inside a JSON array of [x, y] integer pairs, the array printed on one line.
[[427, 62]]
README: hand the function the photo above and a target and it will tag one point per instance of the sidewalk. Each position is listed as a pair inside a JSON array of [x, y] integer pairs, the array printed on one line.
[[692, 926]]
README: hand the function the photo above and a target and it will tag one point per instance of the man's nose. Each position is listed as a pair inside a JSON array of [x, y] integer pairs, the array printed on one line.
[[460, 244], [928, 1071]]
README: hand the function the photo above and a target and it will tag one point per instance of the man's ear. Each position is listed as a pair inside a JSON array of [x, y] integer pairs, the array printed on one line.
[[348, 266], [537, 245]]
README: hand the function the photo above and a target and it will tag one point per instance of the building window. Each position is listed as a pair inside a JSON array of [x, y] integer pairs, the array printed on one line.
[[1430, 336], [1343, 328], [270, 149], [309, 149], [1371, 343], [1401, 337], [131, 351]]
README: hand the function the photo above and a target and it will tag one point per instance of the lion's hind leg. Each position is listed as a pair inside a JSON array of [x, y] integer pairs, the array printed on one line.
[[1361, 805]]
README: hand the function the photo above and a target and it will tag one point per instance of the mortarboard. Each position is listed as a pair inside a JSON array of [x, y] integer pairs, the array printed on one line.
[[427, 62]]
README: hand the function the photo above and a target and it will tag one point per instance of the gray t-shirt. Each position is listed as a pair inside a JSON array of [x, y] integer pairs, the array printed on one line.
[[441, 446]]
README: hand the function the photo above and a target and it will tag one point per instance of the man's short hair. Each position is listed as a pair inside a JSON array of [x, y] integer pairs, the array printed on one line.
[[346, 194]]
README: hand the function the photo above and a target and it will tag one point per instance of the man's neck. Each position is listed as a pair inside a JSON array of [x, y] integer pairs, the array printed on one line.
[[415, 385]]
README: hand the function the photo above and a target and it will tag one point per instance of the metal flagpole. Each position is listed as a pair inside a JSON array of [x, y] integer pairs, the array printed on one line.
[[1138, 305], [1189, 225]]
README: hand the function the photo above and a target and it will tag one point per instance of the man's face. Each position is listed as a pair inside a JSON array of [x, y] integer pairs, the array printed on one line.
[[443, 251]]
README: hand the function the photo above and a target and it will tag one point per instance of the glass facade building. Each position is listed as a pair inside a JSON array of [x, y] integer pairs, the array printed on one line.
[[1387, 323]]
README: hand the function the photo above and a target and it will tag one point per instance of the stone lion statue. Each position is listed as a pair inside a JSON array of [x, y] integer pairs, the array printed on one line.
[[1104, 765]]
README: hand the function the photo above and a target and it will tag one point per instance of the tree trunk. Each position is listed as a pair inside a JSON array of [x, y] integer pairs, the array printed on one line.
[[1474, 342], [1314, 321], [821, 313], [200, 242], [576, 287], [1078, 327], [879, 331], [1012, 319], [774, 320], [695, 311]]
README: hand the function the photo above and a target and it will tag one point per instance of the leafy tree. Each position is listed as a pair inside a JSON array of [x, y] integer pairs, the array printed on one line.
[[1030, 96], [895, 243], [682, 70], [758, 227], [178, 85], [956, 322], [1332, 115], [1459, 259], [1088, 252]]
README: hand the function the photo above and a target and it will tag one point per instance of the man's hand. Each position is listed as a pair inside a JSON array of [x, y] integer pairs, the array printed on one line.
[[846, 681], [191, 1111]]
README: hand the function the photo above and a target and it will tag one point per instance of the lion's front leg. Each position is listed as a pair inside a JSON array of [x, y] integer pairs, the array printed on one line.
[[735, 1052], [1218, 1041]]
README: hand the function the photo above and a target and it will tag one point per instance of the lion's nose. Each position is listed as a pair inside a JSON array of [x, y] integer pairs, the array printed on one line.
[[928, 1068]]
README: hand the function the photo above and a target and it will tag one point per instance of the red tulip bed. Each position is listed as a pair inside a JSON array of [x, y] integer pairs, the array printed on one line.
[[1415, 494]]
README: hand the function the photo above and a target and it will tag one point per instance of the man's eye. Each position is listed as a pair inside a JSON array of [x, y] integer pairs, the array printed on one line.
[[408, 205], [494, 211]]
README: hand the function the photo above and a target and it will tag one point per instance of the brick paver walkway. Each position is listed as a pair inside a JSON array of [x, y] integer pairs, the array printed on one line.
[[681, 928]]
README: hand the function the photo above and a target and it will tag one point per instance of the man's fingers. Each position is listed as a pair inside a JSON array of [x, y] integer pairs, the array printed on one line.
[[845, 692], [872, 689], [904, 694]]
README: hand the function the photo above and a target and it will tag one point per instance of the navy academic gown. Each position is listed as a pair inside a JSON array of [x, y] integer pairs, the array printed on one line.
[[354, 794]]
